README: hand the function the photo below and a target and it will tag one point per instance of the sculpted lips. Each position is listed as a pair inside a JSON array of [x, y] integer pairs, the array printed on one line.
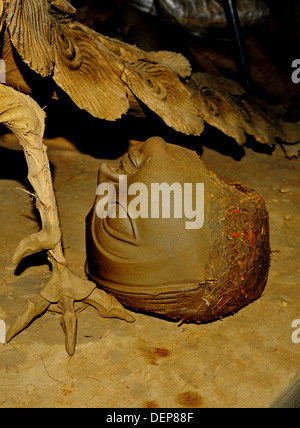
[[109, 173]]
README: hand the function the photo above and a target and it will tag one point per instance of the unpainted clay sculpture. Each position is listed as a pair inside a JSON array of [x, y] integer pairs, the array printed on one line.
[[161, 266], [203, 17], [64, 293], [41, 38], [107, 78]]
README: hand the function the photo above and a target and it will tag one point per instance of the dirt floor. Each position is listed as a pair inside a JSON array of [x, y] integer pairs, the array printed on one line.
[[246, 360]]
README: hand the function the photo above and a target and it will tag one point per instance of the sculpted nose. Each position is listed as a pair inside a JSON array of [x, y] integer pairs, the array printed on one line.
[[155, 146]]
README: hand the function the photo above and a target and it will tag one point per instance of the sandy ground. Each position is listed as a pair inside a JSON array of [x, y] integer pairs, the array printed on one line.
[[246, 360]]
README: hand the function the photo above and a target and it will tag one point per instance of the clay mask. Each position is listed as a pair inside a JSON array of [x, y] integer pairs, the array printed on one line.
[[166, 235]]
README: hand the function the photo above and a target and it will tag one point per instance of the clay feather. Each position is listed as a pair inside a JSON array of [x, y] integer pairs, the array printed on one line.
[[108, 78]]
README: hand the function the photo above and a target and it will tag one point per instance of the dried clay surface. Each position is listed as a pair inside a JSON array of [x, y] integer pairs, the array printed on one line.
[[245, 360]]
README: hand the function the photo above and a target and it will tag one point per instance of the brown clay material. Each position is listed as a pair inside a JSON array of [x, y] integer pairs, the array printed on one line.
[[109, 78], [202, 16], [160, 266], [64, 292]]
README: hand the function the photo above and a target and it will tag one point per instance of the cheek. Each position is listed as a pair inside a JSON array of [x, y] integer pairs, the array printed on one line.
[[120, 225]]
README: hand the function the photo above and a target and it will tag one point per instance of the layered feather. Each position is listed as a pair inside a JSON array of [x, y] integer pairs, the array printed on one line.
[[227, 107], [30, 29], [108, 78]]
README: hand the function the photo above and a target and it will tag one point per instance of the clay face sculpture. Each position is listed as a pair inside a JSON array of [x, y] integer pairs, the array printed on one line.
[[199, 273]]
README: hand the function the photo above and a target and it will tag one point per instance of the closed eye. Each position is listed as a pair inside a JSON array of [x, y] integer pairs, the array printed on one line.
[[136, 158]]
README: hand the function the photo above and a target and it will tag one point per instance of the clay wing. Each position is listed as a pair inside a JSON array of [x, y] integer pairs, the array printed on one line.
[[107, 77], [226, 106], [99, 74], [51, 42], [29, 24]]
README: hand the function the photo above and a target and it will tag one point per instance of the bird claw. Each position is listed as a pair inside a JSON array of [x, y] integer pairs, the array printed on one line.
[[35, 306], [108, 306], [68, 322], [65, 292], [60, 294], [45, 239]]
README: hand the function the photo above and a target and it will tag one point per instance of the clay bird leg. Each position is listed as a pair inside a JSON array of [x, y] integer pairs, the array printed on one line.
[[65, 292]]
